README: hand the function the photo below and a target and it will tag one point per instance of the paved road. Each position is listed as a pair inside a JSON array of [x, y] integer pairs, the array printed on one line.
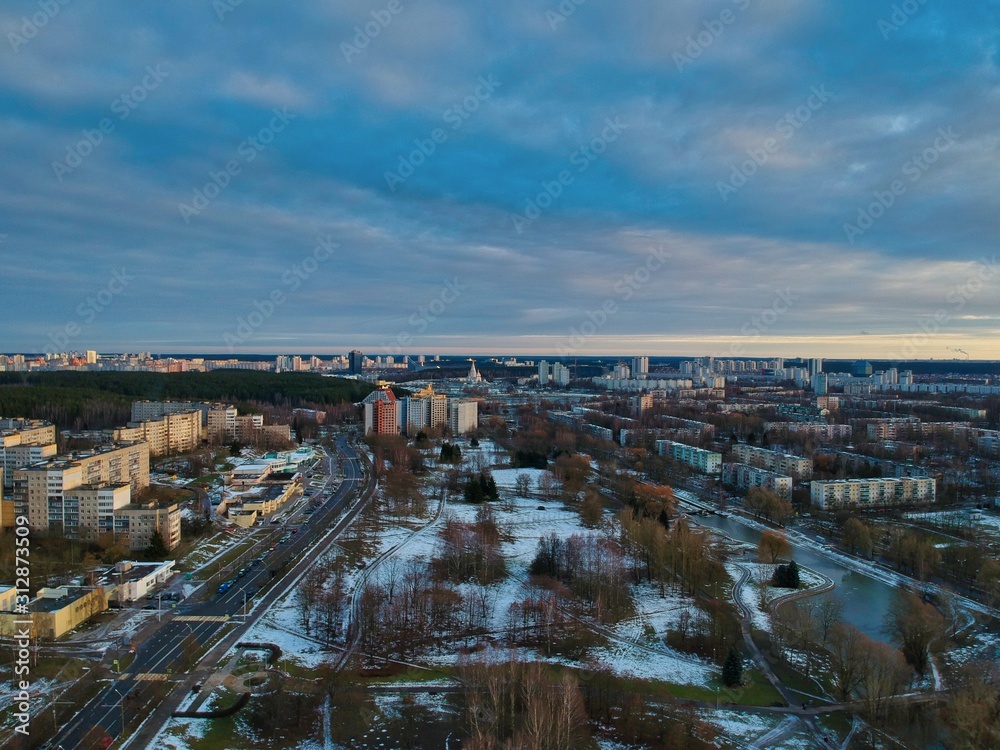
[[193, 627]]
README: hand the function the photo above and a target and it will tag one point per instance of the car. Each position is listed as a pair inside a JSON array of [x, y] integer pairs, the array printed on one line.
[[196, 687], [295, 529], [105, 743]]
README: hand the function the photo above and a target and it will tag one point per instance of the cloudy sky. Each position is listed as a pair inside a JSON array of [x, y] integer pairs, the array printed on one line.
[[814, 177]]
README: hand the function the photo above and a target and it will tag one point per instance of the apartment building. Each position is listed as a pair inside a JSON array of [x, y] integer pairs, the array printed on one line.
[[221, 423], [176, 432], [40, 490], [894, 429], [463, 416], [138, 521], [23, 442], [871, 493], [814, 429], [89, 510], [796, 467], [707, 462], [745, 476]]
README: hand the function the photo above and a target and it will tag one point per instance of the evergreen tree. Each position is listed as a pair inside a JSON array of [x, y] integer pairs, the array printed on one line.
[[793, 575], [157, 549], [732, 668]]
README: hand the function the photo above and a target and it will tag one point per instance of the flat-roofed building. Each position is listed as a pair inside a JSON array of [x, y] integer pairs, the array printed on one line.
[[138, 521], [24, 442], [463, 416], [796, 467], [707, 462], [39, 490], [89, 510], [56, 611], [745, 476], [177, 432], [871, 493]]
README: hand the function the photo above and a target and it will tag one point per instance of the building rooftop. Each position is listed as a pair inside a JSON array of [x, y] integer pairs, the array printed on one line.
[[46, 604]]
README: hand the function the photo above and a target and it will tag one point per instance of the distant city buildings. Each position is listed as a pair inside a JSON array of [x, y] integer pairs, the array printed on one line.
[[553, 372], [356, 362], [426, 410]]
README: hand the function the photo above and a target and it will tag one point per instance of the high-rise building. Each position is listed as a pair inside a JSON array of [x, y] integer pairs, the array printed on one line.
[[640, 367], [463, 415], [821, 383], [42, 492], [543, 372], [355, 362]]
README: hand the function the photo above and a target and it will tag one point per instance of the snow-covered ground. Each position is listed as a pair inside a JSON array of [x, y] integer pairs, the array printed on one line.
[[983, 520]]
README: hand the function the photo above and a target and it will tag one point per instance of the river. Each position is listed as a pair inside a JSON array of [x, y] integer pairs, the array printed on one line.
[[866, 600]]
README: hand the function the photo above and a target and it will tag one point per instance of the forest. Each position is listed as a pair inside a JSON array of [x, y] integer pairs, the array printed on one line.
[[98, 400]]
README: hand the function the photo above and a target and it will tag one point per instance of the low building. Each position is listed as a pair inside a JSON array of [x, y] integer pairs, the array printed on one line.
[[707, 462], [131, 581], [745, 476], [871, 493], [56, 611], [266, 499], [8, 598]]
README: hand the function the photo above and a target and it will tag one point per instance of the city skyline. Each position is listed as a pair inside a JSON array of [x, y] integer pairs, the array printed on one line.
[[734, 178]]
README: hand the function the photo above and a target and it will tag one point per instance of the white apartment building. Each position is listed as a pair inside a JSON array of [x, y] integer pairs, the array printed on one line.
[[43, 492], [176, 432], [707, 462], [796, 467], [871, 493], [463, 416], [816, 429], [745, 477], [24, 442]]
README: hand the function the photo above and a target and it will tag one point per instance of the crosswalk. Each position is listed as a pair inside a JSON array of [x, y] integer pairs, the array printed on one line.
[[202, 618], [152, 677]]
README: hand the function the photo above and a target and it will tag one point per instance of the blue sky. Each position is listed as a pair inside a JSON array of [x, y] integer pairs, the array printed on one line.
[[729, 177]]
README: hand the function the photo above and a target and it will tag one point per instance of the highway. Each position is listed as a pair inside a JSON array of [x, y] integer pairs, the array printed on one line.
[[193, 628]]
